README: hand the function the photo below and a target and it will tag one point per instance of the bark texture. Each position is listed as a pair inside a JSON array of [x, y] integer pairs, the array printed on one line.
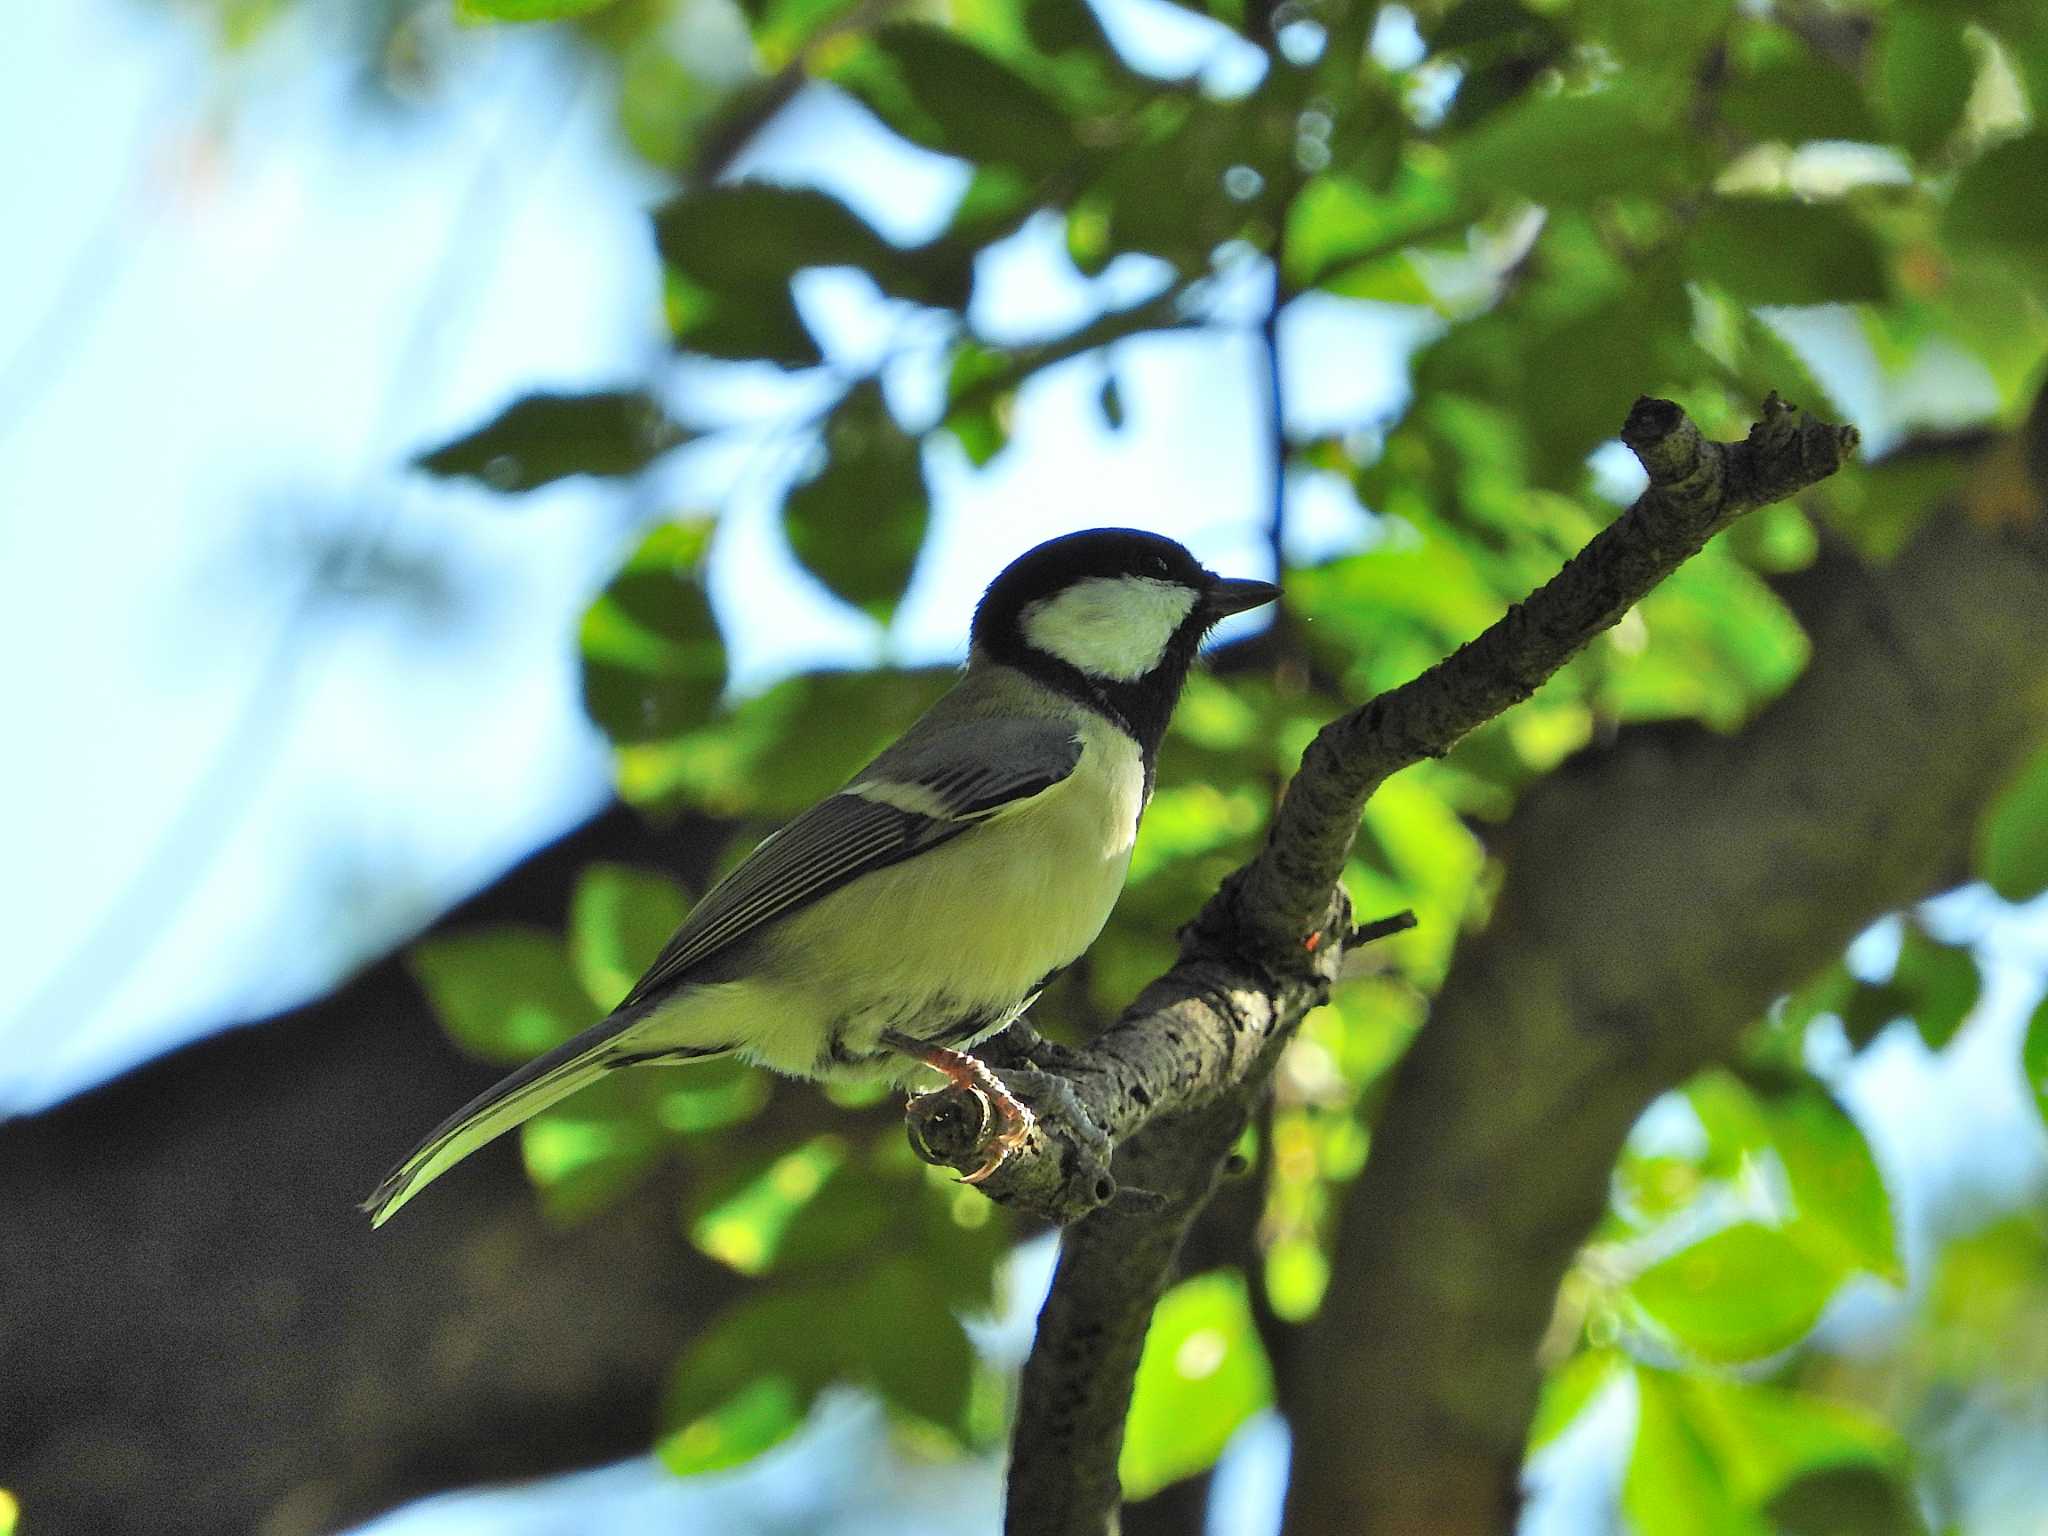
[[1659, 894]]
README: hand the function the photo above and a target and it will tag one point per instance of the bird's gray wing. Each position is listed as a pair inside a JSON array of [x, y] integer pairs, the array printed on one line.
[[911, 799]]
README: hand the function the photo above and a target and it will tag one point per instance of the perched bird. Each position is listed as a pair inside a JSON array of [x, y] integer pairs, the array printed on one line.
[[924, 906]]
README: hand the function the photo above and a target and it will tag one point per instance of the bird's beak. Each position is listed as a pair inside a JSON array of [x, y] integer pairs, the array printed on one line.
[[1232, 594]]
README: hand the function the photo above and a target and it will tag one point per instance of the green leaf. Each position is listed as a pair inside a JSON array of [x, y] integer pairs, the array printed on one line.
[[2012, 838], [2034, 1058], [745, 1229], [1847, 1501], [858, 523], [505, 994], [619, 918], [922, 1363], [1336, 224], [593, 1147], [541, 438], [1936, 983], [653, 658], [758, 324], [1924, 73], [1796, 100], [525, 10], [1768, 252], [948, 95], [1568, 1390], [1674, 1485], [757, 1417], [737, 237], [1202, 1374], [1837, 1191], [1564, 150], [1764, 1438], [745, 1383], [1744, 1293], [1111, 401], [1997, 200]]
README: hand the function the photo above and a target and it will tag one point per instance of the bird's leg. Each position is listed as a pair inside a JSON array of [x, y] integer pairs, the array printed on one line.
[[1009, 1121]]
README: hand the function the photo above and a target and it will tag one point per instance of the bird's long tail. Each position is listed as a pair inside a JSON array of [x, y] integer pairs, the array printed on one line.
[[543, 1081]]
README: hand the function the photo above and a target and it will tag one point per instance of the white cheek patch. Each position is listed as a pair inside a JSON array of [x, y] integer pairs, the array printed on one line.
[[1109, 626]]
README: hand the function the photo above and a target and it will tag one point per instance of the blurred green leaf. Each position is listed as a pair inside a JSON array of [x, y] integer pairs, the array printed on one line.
[[1746, 1292], [1335, 223], [593, 1147], [1764, 251], [1202, 1374], [1560, 150], [948, 95], [1997, 200], [1847, 1501], [773, 755], [1934, 984], [745, 1382], [653, 658], [1836, 1188], [2034, 1058], [1924, 74], [541, 438], [1765, 1437], [525, 10], [1798, 98], [858, 523], [1568, 1390], [758, 1416], [505, 993], [2012, 837], [745, 1230], [619, 918], [1673, 1485]]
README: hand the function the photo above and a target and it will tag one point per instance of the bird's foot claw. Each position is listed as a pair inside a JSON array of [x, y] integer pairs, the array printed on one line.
[[1005, 1123]]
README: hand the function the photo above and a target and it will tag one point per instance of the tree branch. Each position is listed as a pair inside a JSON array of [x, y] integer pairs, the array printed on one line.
[[1658, 896], [1165, 1092]]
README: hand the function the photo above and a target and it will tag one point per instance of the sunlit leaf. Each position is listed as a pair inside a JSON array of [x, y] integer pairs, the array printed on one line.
[[760, 1415], [1202, 1374], [541, 438], [1567, 1392], [1837, 1191], [505, 993], [745, 1229], [592, 1148], [619, 918], [1674, 1486], [525, 10], [653, 658], [1766, 1437], [858, 523], [1746, 1292]]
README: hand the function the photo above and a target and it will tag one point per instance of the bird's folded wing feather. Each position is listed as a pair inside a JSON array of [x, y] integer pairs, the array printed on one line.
[[911, 799]]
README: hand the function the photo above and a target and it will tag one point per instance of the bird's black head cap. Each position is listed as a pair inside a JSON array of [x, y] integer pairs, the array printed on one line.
[[1111, 617]]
